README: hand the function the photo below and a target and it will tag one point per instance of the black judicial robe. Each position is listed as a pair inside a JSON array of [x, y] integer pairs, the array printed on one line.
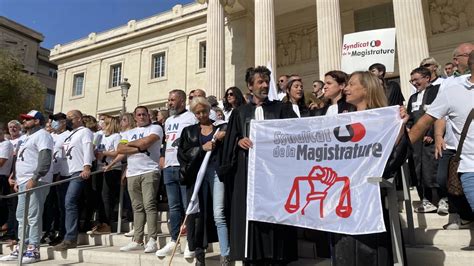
[[267, 242]]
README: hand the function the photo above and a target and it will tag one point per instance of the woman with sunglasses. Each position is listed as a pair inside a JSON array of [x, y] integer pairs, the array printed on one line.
[[435, 69], [233, 98]]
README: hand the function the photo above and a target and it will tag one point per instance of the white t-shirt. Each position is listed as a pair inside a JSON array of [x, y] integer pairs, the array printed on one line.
[[27, 158], [109, 143], [173, 127], [78, 149], [16, 143], [332, 110], [144, 162], [6, 152], [456, 102], [59, 160]]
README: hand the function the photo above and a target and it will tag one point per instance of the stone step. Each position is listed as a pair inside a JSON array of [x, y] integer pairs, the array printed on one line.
[[440, 255], [441, 237], [102, 255], [425, 220]]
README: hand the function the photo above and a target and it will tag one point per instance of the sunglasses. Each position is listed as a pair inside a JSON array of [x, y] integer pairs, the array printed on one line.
[[230, 94], [426, 65]]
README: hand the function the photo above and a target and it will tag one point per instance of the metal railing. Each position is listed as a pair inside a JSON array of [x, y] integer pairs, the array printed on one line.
[[27, 202]]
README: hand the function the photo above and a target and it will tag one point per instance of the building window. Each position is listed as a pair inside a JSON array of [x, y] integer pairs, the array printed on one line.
[[52, 73], [49, 100], [115, 75], [375, 17], [159, 65], [202, 54], [78, 85]]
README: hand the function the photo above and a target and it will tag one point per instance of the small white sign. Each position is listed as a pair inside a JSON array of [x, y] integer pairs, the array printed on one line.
[[362, 49]]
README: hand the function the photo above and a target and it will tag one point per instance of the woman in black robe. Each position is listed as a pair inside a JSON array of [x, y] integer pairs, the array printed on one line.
[[364, 92]]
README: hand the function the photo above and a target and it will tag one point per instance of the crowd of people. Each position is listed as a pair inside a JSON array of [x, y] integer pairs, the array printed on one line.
[[156, 155]]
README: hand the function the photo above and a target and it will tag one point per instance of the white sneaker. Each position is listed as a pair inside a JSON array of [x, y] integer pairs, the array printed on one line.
[[425, 207], [12, 256], [168, 249], [188, 254], [443, 206], [130, 233], [132, 246], [151, 246]]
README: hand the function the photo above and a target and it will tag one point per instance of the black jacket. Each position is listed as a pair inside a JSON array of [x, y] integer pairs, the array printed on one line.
[[191, 154]]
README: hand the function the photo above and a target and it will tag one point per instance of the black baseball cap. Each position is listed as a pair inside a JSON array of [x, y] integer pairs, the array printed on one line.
[[58, 116]]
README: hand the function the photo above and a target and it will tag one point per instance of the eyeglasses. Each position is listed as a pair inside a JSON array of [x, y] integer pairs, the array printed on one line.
[[230, 94], [427, 65]]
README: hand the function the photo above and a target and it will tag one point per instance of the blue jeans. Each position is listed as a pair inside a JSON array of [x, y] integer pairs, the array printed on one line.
[[467, 180], [177, 201], [71, 205], [35, 213], [217, 192]]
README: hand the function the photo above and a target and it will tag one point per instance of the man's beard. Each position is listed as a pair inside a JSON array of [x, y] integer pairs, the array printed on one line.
[[172, 111]]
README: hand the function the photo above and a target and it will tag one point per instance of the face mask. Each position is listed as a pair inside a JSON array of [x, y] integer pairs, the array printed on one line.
[[55, 125], [69, 123]]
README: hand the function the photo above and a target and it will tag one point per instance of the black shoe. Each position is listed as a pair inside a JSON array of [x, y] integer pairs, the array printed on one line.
[[56, 241], [200, 257], [225, 261], [65, 245]]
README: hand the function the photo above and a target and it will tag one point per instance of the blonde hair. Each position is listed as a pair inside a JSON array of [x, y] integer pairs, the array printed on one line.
[[199, 101], [112, 125], [375, 95], [432, 61], [131, 121]]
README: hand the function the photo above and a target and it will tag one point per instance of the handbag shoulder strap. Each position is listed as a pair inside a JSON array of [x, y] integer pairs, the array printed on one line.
[[463, 134]]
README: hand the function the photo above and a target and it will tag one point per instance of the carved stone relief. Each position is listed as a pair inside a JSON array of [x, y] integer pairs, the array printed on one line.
[[296, 46], [450, 15]]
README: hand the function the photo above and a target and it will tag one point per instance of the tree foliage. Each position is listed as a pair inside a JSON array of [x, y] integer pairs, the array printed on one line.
[[19, 91]]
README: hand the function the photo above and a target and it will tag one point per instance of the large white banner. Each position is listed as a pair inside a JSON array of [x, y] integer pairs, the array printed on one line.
[[312, 172], [362, 49]]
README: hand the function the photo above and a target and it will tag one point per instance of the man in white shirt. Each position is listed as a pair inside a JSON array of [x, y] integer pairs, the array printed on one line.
[[179, 119], [456, 103], [60, 170], [79, 153], [142, 146], [33, 168]]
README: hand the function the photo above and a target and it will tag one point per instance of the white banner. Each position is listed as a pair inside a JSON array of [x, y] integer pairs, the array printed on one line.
[[362, 49], [312, 172]]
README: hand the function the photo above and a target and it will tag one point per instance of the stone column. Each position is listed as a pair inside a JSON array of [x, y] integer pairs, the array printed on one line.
[[412, 44], [328, 17], [215, 62], [265, 38]]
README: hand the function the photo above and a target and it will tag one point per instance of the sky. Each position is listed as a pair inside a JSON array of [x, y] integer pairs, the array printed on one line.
[[64, 21]]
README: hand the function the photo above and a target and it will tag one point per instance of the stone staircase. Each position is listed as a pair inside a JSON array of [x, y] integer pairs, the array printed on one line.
[[433, 246]]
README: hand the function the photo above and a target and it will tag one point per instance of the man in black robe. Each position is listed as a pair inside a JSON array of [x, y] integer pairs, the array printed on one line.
[[391, 88], [267, 243]]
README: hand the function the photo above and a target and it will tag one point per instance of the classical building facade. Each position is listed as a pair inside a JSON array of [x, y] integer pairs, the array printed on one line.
[[210, 43], [24, 43]]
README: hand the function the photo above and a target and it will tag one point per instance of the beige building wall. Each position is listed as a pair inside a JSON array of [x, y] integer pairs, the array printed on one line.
[[179, 32]]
